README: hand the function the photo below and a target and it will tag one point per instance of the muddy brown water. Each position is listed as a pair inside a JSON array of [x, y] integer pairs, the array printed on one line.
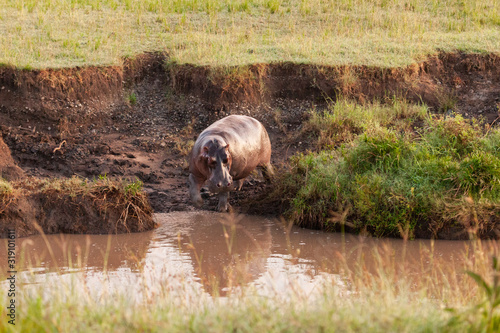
[[215, 253]]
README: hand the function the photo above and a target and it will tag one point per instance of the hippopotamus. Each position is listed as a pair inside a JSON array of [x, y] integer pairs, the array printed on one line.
[[224, 154]]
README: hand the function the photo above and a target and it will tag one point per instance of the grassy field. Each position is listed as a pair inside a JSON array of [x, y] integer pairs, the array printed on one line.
[[383, 300], [393, 168], [386, 33]]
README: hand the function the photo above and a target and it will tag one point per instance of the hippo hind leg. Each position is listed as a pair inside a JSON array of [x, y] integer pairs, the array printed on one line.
[[267, 171], [223, 205], [194, 190]]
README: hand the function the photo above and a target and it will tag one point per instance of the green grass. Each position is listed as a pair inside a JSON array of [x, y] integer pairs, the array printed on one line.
[[390, 178], [345, 119], [66, 33], [246, 314], [132, 98]]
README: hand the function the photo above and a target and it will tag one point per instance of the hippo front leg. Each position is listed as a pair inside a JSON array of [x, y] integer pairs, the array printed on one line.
[[223, 205], [195, 185], [238, 184]]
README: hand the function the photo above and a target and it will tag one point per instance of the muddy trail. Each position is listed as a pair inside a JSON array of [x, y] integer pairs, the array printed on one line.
[[138, 121]]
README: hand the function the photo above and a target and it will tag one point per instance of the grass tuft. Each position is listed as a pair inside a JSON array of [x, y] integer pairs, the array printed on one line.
[[5, 188], [132, 98], [6, 194]]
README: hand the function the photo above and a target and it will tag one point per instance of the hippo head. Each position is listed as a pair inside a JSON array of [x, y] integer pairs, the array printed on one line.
[[218, 161]]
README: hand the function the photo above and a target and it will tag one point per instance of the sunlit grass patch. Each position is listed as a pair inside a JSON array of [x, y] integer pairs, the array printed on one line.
[[6, 194], [75, 185], [250, 312], [344, 119], [40, 34]]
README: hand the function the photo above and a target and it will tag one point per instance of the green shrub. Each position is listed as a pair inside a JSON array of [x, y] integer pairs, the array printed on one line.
[[381, 149], [391, 181], [478, 173]]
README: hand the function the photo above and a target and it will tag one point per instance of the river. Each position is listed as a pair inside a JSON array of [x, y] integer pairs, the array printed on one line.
[[216, 254]]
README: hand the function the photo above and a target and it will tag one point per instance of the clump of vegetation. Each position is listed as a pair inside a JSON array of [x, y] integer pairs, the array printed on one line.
[[65, 186], [183, 143], [446, 101], [79, 205], [184, 147], [5, 188], [107, 194], [6, 194], [132, 98], [482, 316], [392, 182], [344, 119]]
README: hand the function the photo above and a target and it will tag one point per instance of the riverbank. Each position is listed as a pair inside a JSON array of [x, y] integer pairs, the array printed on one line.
[[396, 170], [139, 120]]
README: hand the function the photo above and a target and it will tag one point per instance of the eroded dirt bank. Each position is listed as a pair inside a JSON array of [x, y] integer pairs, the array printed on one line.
[[136, 120], [70, 205], [98, 209]]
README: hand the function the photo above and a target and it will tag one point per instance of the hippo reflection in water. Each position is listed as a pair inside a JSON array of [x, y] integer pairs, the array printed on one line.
[[224, 154]]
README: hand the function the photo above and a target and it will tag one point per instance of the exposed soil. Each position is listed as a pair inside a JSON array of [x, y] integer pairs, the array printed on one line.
[[100, 210], [136, 120], [8, 168]]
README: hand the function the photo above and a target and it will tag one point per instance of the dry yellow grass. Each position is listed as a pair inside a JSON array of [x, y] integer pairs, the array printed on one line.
[[65, 33]]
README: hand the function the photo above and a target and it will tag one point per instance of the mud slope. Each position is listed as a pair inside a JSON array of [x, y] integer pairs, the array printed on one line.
[[136, 120]]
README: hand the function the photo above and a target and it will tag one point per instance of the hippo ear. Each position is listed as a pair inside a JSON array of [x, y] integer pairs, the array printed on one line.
[[227, 147]]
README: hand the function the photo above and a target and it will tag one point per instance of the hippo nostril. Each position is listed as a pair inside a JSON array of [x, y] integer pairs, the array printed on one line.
[[218, 184], [229, 184]]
